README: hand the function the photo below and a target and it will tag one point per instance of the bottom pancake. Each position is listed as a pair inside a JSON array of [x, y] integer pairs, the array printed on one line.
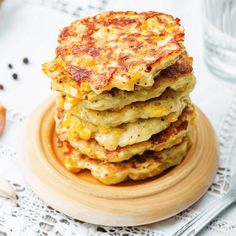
[[138, 168]]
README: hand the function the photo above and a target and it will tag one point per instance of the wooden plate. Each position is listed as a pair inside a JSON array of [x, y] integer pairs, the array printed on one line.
[[127, 204]]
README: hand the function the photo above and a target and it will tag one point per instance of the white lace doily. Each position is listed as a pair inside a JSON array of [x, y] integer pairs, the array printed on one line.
[[29, 29]]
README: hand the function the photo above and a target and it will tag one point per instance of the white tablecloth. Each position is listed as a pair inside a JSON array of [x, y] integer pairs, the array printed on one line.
[[30, 29]]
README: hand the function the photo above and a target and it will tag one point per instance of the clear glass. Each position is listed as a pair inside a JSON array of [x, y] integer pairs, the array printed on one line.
[[219, 24]]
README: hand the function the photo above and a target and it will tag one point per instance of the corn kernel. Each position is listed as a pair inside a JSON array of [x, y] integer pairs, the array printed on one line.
[[160, 111], [172, 117], [84, 87], [71, 165], [60, 102], [67, 120], [85, 134], [72, 100], [103, 130]]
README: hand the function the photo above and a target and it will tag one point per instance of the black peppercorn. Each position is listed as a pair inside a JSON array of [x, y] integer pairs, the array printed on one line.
[[14, 76], [10, 66], [25, 60], [1, 87]]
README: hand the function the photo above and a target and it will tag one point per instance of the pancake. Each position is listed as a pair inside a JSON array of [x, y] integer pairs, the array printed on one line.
[[115, 50], [70, 126], [170, 101], [163, 140], [123, 81], [138, 168], [174, 78]]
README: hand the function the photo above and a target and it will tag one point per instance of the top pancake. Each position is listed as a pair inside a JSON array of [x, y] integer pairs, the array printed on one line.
[[115, 50]]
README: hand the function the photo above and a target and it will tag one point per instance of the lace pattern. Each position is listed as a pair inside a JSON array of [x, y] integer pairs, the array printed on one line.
[[6, 152], [15, 116], [218, 225], [227, 140], [81, 9]]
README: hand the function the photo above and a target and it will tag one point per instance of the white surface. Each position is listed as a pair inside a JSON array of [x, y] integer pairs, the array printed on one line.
[[30, 30]]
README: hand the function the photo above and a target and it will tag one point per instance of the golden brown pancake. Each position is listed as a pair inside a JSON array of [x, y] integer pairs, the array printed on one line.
[[116, 50], [169, 137], [170, 101], [139, 167], [70, 126]]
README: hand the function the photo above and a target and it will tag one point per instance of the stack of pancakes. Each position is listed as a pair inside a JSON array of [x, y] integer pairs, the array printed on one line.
[[123, 106]]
